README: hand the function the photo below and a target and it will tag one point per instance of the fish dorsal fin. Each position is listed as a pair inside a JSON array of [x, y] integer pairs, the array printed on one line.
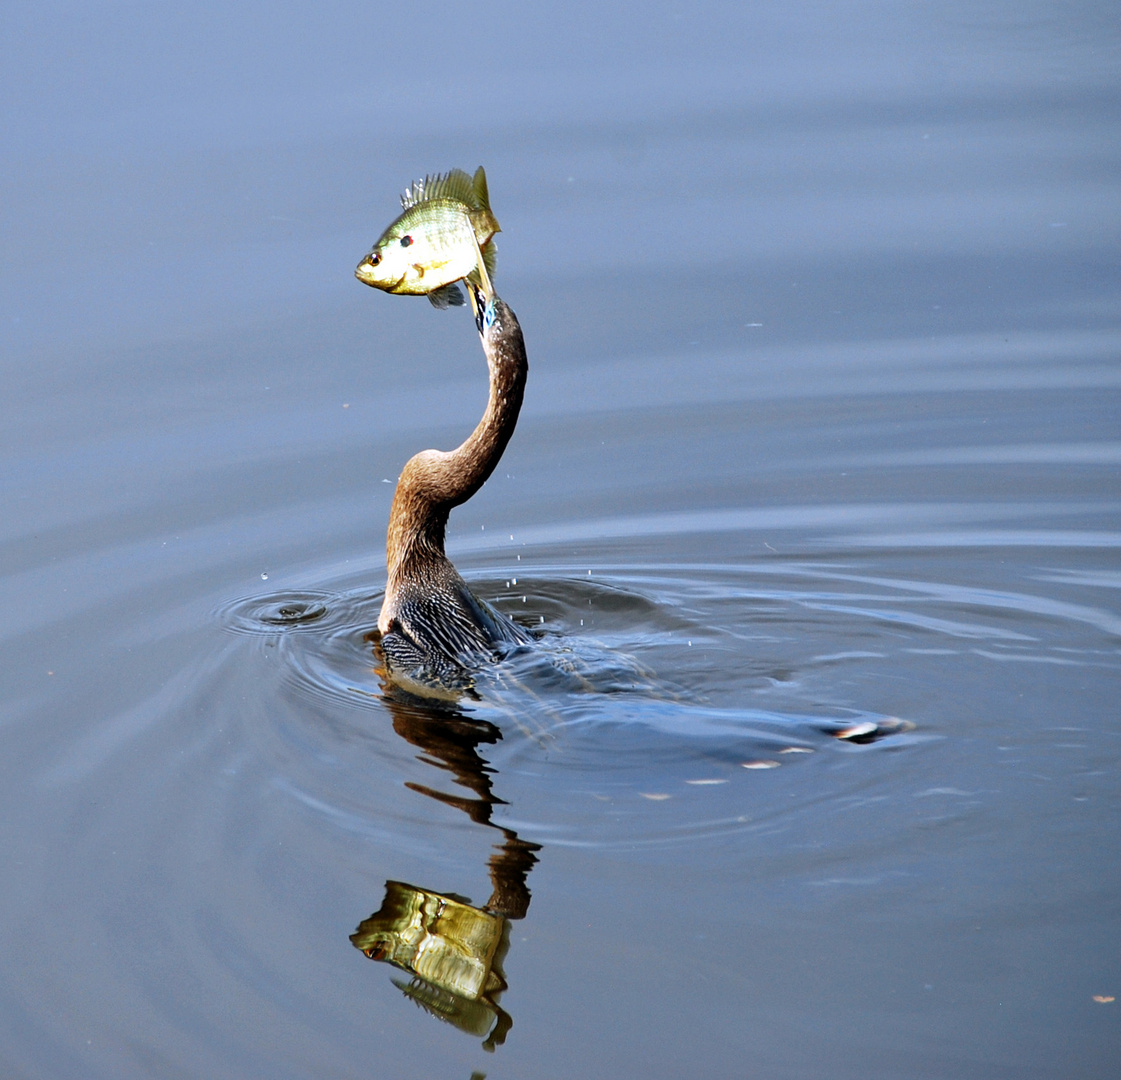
[[455, 184]]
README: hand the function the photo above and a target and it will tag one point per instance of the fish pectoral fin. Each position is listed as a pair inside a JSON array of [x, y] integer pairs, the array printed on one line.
[[490, 256], [446, 297]]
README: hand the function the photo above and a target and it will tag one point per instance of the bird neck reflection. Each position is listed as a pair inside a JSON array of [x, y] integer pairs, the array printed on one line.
[[453, 950], [449, 740]]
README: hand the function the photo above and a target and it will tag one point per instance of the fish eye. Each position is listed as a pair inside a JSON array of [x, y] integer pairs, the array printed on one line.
[[373, 258], [406, 241]]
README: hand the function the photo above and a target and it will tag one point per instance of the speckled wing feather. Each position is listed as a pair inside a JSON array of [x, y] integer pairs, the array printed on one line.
[[439, 636]]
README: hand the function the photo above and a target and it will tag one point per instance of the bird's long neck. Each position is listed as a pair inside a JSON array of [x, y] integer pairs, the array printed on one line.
[[434, 481]]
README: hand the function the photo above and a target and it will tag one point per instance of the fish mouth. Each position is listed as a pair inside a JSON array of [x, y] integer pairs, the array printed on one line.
[[365, 272]]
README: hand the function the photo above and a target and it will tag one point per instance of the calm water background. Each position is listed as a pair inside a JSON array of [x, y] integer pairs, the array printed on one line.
[[822, 428]]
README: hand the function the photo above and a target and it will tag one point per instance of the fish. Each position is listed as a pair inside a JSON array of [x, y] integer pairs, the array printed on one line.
[[445, 235]]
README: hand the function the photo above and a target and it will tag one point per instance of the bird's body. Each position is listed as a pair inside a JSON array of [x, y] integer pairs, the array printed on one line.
[[433, 628]]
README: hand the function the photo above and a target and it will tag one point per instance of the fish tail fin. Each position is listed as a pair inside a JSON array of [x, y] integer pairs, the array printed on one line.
[[484, 267], [446, 297], [479, 186], [490, 257], [483, 217]]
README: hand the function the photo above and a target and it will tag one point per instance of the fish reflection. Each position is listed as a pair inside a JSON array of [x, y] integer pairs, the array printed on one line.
[[453, 950]]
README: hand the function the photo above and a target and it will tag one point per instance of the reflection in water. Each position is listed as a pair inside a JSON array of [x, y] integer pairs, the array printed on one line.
[[453, 949], [454, 952]]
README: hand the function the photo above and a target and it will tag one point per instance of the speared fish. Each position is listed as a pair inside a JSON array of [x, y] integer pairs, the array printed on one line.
[[445, 235]]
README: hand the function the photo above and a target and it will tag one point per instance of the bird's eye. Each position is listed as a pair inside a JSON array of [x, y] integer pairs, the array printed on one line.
[[406, 241], [373, 258]]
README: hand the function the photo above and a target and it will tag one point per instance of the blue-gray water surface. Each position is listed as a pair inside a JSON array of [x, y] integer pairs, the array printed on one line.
[[813, 510]]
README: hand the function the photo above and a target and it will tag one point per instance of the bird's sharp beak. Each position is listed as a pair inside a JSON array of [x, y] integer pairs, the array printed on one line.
[[478, 303]]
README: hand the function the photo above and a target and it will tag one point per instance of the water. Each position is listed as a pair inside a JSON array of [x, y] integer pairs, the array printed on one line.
[[812, 506]]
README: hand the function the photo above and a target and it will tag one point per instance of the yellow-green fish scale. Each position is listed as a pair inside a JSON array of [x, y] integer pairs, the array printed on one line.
[[441, 250], [432, 244]]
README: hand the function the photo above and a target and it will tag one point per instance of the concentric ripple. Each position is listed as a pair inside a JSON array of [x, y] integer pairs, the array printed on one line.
[[656, 703], [279, 612]]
